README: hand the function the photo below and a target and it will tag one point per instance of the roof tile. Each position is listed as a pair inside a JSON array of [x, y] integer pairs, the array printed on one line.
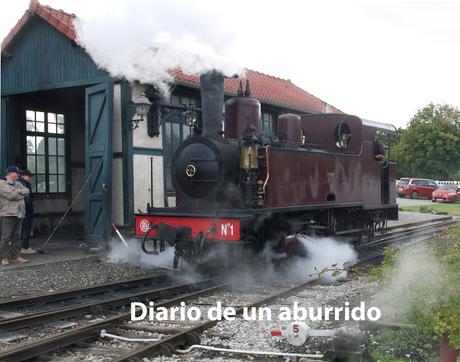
[[268, 89]]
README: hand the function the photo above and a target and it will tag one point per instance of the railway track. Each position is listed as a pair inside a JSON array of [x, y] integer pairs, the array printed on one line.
[[166, 296], [92, 330], [415, 233]]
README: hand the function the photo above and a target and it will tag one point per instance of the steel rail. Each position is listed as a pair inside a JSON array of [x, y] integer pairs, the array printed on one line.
[[425, 234], [98, 306], [83, 292], [387, 238], [187, 336], [79, 334]]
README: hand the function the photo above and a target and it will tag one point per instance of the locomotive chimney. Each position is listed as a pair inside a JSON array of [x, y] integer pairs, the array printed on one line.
[[212, 103]]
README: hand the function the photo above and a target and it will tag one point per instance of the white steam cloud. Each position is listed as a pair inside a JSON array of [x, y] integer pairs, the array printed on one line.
[[324, 255], [415, 278], [144, 39], [134, 255], [327, 253]]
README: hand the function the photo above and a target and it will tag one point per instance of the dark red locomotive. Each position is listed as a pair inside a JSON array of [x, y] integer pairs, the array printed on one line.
[[322, 175]]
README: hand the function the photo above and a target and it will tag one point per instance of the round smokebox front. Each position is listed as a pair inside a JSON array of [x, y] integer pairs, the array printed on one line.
[[196, 170]]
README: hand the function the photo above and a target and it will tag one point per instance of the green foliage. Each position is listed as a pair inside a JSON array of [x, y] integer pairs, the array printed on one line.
[[430, 145], [383, 270], [440, 209], [403, 345], [434, 313], [335, 270]]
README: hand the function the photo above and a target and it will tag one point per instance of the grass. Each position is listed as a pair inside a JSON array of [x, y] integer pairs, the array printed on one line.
[[403, 346], [451, 209]]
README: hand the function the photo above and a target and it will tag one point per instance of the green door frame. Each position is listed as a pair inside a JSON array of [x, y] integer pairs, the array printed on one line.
[[98, 162]]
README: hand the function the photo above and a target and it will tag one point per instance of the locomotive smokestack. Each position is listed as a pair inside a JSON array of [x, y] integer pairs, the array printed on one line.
[[212, 102]]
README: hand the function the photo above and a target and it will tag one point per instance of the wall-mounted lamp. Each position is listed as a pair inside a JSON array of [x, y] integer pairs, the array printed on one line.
[[190, 116], [142, 106]]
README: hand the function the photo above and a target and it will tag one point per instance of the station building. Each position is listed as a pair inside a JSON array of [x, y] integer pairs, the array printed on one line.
[[71, 123]]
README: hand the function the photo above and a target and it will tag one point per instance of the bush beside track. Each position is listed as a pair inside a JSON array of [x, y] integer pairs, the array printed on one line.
[[432, 315]]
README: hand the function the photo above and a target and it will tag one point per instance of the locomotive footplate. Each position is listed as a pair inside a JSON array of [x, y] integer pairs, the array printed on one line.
[[188, 234]]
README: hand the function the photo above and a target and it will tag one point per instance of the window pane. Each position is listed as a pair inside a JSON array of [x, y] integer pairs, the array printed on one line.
[[53, 183], [169, 184], [51, 128], [40, 127], [51, 146], [33, 184], [61, 147], [168, 133], [174, 100], [31, 163], [61, 165], [40, 145], [30, 126], [62, 184], [40, 116], [52, 164], [41, 186], [41, 164], [30, 115], [51, 118], [176, 133], [60, 118], [31, 144], [60, 128]]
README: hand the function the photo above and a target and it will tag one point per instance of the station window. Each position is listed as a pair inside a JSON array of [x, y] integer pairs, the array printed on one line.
[[46, 155], [268, 124]]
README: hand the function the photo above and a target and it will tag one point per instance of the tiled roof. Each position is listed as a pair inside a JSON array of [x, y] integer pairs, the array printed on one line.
[[59, 19], [266, 88]]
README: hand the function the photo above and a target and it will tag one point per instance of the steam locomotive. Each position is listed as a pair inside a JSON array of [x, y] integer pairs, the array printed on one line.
[[323, 174]]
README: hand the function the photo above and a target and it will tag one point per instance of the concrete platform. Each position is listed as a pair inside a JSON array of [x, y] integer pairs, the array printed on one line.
[[58, 249]]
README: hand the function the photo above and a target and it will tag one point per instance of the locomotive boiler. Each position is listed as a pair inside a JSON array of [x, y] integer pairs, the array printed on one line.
[[237, 190]]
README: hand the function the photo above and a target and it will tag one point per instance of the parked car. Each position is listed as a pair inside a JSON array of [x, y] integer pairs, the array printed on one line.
[[416, 187], [446, 193]]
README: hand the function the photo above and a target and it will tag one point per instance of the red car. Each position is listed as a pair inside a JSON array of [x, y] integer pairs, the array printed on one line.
[[446, 193], [416, 187]]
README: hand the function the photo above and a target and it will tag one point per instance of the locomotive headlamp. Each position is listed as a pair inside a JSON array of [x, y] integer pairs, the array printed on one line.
[[142, 106]]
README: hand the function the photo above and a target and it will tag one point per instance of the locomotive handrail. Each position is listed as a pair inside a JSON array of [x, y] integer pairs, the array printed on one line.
[[268, 168]]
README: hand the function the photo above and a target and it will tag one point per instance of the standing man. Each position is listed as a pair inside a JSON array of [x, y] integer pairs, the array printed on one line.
[[12, 211], [26, 181]]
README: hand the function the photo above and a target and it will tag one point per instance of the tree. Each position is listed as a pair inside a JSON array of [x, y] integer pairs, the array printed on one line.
[[430, 146]]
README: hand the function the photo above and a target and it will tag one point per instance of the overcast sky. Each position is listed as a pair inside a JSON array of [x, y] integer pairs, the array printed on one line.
[[380, 60]]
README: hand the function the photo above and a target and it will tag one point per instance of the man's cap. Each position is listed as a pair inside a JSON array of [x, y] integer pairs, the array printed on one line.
[[26, 172], [14, 169]]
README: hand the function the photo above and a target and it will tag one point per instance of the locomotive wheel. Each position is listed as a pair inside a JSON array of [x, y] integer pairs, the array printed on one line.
[[414, 195]]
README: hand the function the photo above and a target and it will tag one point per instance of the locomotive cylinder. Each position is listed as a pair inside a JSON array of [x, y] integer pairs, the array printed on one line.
[[288, 128], [241, 112], [212, 103]]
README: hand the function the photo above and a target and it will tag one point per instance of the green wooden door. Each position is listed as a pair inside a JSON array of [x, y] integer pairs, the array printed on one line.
[[98, 164], [3, 138]]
